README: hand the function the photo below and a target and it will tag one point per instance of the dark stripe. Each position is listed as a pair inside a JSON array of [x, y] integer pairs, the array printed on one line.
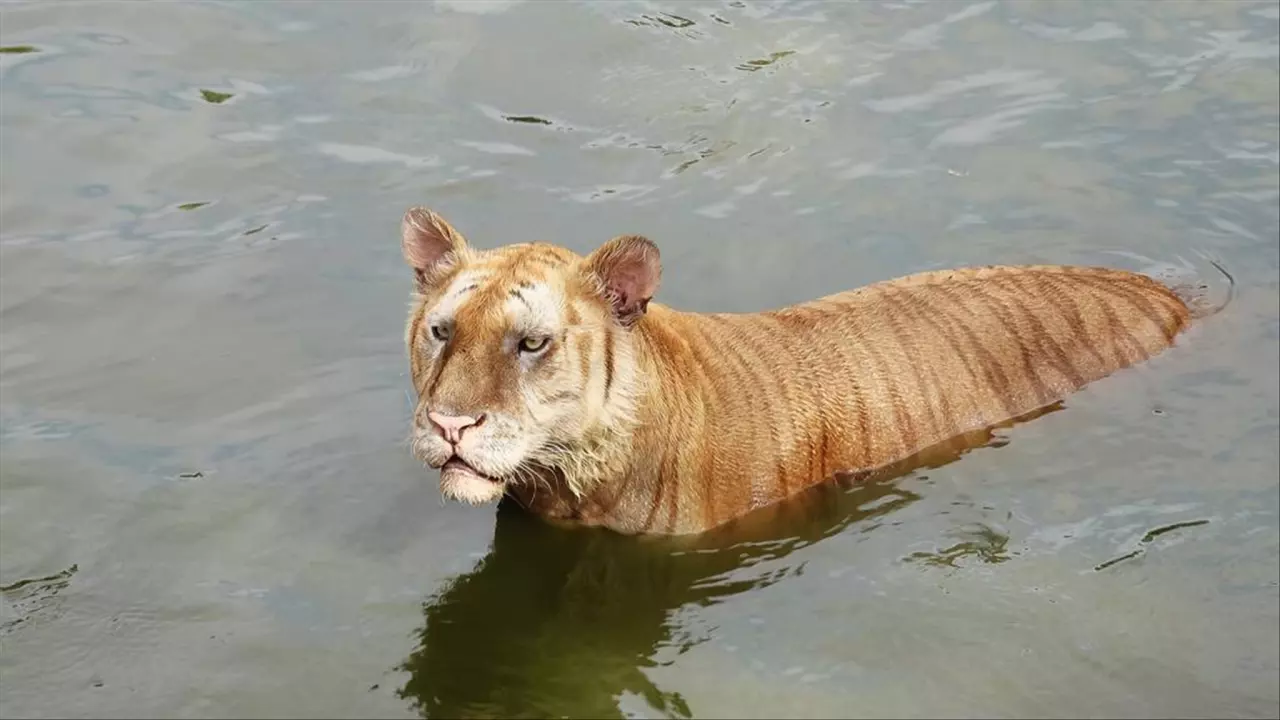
[[1006, 304], [996, 304], [1120, 333], [608, 359], [669, 481], [815, 462], [545, 260], [858, 392], [773, 331], [822, 439], [674, 499], [710, 506], [1108, 332], [415, 327], [881, 374], [910, 303], [421, 380], [585, 343], [944, 332], [655, 497], [562, 395], [997, 381], [705, 471], [1124, 293], [757, 384], [445, 356], [848, 372], [517, 295], [888, 391], [905, 338], [1020, 293], [608, 505], [813, 470], [1066, 303], [1138, 297], [434, 381], [727, 354]]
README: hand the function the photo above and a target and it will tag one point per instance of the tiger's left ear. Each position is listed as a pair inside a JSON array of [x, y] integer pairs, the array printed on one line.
[[628, 270], [429, 242]]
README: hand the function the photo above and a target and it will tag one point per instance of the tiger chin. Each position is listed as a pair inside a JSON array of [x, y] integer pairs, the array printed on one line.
[[553, 378]]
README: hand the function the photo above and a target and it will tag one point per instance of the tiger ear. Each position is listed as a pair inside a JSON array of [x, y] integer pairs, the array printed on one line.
[[429, 242], [627, 269]]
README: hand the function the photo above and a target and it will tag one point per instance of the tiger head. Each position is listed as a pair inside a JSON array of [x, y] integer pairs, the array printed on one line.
[[522, 356]]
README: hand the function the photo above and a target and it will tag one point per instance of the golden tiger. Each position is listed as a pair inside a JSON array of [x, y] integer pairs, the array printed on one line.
[[551, 377]]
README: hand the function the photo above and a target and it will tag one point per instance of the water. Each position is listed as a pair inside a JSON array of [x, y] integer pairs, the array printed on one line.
[[202, 456]]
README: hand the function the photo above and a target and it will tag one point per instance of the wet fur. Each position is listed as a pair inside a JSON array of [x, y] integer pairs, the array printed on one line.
[[676, 422]]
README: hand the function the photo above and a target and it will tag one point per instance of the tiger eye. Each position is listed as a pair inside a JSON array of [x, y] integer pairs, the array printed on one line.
[[533, 345]]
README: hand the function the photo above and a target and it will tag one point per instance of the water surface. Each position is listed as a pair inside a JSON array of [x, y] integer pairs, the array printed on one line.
[[207, 507]]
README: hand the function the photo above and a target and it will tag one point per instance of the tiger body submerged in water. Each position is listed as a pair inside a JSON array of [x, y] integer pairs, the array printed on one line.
[[550, 377]]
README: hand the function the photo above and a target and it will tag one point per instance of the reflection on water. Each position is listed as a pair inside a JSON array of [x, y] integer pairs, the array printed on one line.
[[561, 622], [558, 622]]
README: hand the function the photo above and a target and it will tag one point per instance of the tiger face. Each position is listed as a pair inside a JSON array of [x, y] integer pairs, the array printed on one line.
[[521, 356]]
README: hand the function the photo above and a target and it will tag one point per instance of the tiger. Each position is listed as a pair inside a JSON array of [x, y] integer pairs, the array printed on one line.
[[551, 377]]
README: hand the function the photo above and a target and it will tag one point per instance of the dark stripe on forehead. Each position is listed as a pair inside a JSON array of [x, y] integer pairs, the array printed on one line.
[[546, 255], [547, 261], [513, 292]]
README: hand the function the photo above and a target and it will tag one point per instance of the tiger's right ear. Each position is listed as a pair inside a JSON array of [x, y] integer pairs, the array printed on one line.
[[627, 269], [429, 243]]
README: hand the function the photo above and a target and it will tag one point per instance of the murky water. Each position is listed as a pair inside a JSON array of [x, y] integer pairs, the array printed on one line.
[[202, 458]]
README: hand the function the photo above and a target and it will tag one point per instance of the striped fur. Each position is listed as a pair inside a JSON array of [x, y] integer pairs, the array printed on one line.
[[684, 421]]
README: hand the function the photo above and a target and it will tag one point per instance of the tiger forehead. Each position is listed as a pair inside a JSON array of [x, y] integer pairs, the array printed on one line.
[[529, 263], [524, 284]]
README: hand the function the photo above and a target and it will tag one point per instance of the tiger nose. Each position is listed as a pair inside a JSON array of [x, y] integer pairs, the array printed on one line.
[[451, 426]]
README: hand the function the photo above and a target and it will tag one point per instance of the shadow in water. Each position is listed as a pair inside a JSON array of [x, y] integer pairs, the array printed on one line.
[[561, 622]]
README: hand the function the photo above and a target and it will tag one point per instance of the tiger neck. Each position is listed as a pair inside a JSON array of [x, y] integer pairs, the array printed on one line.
[[616, 472]]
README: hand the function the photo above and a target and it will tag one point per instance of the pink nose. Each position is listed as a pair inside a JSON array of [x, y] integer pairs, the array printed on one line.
[[451, 426]]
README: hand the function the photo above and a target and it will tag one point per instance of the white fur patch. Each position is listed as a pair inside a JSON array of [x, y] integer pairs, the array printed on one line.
[[465, 486], [466, 283], [538, 308]]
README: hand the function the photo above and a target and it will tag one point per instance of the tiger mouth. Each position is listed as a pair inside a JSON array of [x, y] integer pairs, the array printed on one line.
[[457, 464], [461, 481]]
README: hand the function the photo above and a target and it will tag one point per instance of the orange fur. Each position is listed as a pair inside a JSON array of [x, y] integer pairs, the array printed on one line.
[[645, 419]]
